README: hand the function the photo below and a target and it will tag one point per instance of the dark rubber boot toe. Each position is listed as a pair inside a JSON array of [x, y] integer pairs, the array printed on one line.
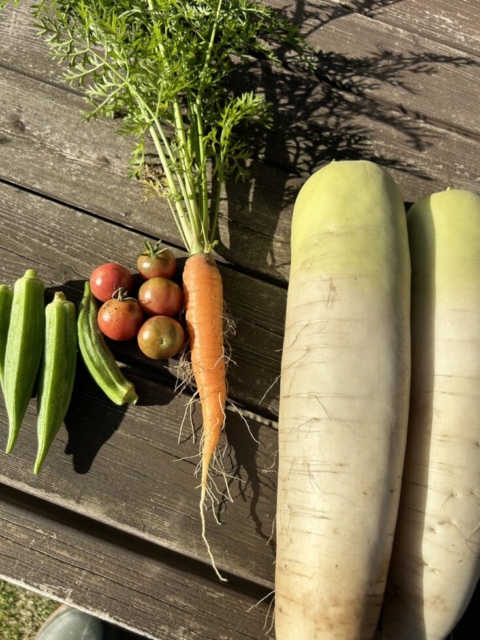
[[66, 623]]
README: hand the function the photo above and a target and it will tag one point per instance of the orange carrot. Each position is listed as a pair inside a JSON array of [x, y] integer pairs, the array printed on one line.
[[203, 299]]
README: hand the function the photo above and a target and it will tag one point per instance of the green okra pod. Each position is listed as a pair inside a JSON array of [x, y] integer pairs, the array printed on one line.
[[57, 372], [98, 356], [6, 298], [24, 349]]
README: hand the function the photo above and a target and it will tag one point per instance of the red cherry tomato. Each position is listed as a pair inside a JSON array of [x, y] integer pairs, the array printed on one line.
[[120, 319], [108, 278], [161, 337], [156, 262], [160, 297]]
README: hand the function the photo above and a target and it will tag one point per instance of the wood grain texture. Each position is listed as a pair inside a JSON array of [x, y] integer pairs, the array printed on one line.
[[394, 67], [138, 486], [134, 469], [138, 587], [84, 164], [392, 64], [454, 23], [318, 121]]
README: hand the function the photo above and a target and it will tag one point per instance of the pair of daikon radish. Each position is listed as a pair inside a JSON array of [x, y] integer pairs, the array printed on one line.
[[381, 357]]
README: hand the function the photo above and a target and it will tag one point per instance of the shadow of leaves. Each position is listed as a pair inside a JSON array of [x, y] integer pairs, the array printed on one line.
[[330, 114]]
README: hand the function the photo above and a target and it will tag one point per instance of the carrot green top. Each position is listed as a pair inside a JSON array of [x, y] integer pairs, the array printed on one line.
[[163, 65]]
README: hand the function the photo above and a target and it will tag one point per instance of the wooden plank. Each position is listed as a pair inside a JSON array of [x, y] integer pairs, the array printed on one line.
[[137, 586], [72, 162], [317, 124], [392, 66], [47, 148], [125, 467], [20, 45], [336, 125], [452, 23], [134, 482], [253, 228], [69, 559], [66, 245]]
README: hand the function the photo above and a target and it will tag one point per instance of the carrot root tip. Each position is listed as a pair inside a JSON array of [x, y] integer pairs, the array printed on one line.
[[203, 498]]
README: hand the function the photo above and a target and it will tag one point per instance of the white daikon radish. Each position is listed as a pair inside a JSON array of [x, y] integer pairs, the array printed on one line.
[[344, 403], [436, 557]]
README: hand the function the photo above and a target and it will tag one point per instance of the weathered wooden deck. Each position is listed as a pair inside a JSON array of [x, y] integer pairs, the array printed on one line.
[[111, 524]]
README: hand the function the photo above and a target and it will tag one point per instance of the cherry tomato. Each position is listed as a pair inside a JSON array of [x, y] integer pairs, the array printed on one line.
[[161, 337], [108, 278], [160, 297], [156, 262], [120, 318]]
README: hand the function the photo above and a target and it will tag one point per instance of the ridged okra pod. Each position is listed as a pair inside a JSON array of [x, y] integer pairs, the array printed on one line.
[[97, 355], [24, 349], [57, 372], [6, 298]]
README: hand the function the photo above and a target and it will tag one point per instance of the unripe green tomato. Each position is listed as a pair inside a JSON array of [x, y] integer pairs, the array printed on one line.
[[161, 337]]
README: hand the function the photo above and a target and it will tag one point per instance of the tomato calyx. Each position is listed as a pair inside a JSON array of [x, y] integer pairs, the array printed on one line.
[[153, 250], [156, 261], [122, 294]]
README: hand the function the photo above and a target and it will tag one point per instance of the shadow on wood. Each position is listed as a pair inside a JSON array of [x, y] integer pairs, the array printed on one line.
[[329, 114]]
